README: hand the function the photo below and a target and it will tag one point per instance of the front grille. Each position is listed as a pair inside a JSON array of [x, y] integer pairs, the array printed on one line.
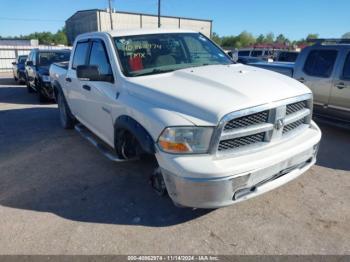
[[264, 125], [240, 142], [292, 126], [249, 120], [295, 107]]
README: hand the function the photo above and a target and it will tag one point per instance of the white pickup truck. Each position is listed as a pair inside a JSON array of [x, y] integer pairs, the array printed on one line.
[[220, 132]]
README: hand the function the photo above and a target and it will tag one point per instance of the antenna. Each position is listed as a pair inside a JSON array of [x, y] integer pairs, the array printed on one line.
[[159, 13], [110, 13]]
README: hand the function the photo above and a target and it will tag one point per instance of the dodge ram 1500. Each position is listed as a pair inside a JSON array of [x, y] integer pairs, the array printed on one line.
[[220, 132]]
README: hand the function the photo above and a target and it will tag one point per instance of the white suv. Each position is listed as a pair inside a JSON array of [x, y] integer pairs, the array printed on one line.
[[221, 132]]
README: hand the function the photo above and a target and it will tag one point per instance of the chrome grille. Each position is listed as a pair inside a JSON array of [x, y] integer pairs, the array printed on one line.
[[249, 120], [295, 107], [292, 126], [240, 142], [257, 127]]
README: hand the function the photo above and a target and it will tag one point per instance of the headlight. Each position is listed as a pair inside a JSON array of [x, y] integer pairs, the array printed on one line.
[[45, 78], [185, 139]]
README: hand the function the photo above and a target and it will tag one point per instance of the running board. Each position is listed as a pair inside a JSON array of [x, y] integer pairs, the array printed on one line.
[[101, 147]]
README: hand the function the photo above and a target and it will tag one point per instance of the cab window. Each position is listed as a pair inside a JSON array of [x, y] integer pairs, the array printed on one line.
[[346, 69], [320, 63], [99, 57], [80, 54], [256, 53]]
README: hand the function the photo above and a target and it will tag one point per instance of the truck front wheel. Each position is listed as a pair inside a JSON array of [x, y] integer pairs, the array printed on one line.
[[66, 118]]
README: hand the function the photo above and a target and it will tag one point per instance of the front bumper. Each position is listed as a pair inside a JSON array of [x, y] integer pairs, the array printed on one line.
[[206, 182]]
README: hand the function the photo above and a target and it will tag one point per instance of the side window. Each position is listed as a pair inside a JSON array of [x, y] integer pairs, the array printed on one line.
[[99, 57], [320, 63], [243, 53], [80, 54], [256, 53], [346, 69]]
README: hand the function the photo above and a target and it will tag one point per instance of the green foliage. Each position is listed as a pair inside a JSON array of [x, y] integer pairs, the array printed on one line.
[[246, 39], [269, 38], [47, 38], [311, 36], [346, 35], [260, 39], [216, 38]]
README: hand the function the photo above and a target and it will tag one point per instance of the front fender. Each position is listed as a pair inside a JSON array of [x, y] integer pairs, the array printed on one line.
[[151, 117]]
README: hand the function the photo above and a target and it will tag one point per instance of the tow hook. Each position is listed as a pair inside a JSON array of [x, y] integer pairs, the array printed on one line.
[[157, 182]]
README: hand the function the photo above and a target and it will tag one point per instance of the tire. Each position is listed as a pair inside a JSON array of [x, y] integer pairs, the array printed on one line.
[[127, 147], [66, 118], [29, 88], [41, 97]]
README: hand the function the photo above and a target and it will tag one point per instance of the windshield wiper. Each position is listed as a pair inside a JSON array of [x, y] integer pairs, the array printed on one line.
[[155, 71]]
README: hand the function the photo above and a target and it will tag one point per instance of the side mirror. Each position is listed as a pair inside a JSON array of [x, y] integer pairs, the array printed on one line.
[[14, 63], [92, 73], [29, 63], [88, 73]]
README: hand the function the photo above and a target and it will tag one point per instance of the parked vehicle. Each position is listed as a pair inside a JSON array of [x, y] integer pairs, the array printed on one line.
[[262, 54], [19, 68], [220, 132], [286, 56], [325, 69], [233, 54], [37, 71], [248, 60]]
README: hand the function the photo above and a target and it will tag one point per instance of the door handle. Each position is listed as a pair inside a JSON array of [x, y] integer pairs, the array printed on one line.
[[86, 87], [301, 80], [340, 85], [68, 79]]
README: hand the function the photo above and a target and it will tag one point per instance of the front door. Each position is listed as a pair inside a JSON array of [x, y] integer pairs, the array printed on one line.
[[340, 95], [317, 73], [100, 96]]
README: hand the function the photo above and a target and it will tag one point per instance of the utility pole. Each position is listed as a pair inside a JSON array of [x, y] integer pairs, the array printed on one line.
[[110, 13], [158, 13]]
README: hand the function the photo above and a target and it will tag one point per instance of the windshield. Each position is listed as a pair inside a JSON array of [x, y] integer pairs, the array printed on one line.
[[47, 58], [22, 59], [160, 53]]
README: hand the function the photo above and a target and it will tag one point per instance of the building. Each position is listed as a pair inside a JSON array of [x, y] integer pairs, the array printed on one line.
[[10, 49], [18, 42], [99, 20]]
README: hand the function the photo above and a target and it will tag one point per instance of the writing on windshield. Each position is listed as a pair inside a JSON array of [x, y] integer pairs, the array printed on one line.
[[159, 53]]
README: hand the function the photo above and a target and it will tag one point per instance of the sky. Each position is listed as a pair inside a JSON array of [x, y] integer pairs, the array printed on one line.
[[294, 18]]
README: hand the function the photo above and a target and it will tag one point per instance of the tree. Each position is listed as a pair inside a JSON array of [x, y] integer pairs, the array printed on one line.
[[346, 35], [245, 39], [47, 38], [269, 38], [260, 39], [229, 41], [281, 39], [311, 36], [216, 38]]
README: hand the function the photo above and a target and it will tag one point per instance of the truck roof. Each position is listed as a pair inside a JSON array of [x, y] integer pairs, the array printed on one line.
[[129, 32]]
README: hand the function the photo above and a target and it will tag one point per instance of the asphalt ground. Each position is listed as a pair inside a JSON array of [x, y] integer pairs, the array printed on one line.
[[59, 195]]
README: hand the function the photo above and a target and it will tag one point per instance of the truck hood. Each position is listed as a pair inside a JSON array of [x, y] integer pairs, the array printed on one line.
[[203, 95]]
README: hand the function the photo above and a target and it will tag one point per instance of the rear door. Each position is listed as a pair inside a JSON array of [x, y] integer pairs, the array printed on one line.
[[31, 69], [340, 95], [74, 86], [317, 72]]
